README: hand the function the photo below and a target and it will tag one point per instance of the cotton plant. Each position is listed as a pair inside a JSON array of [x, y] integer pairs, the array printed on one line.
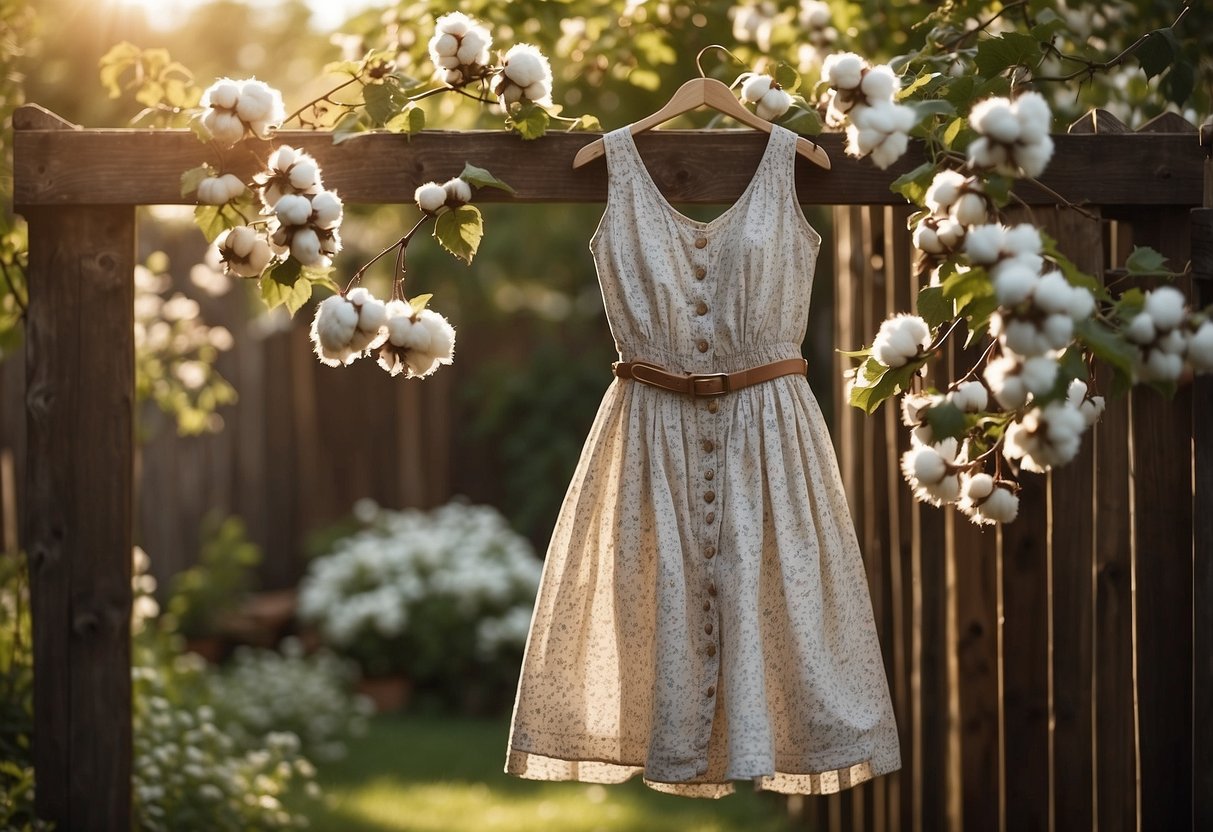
[[862, 98], [233, 109]]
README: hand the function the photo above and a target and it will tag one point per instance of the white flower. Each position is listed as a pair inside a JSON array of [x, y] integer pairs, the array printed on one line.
[[843, 70], [1200, 348], [244, 251], [458, 191], [1165, 306], [944, 190], [525, 75], [327, 210], [430, 197], [900, 338]]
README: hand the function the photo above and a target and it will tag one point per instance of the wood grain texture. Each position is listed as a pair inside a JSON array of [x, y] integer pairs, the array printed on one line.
[[1202, 538], [80, 370], [141, 167]]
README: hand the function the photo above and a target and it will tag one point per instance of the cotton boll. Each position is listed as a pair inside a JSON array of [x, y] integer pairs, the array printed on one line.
[[410, 334], [211, 191], [304, 175], [1018, 440], [293, 210], [283, 157], [443, 45], [985, 153], [1141, 329], [442, 335], [332, 328], [1052, 293], [922, 464], [327, 209], [977, 487], [1200, 348], [1091, 409], [843, 70], [1173, 342], [878, 117], [539, 92], [260, 106], [238, 240], [815, 14], [1081, 304], [861, 141], [1039, 373], [453, 23], [1162, 366], [224, 126], [925, 239], [970, 209], [879, 83], [913, 405], [756, 87], [971, 396], [1076, 392], [904, 118], [1002, 506], [1033, 114], [451, 77], [890, 150], [1019, 336], [305, 247], [524, 65], [448, 62], [899, 339], [458, 191], [774, 104], [430, 197], [951, 233], [1002, 377], [474, 49], [946, 490], [222, 94], [1165, 306], [983, 243], [330, 241], [1058, 330], [1022, 239], [994, 117], [1013, 282], [421, 364], [944, 190], [1034, 158]]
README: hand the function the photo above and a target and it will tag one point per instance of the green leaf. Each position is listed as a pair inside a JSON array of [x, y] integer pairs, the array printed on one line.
[[293, 297], [863, 353], [193, 176], [978, 312], [350, 125], [959, 91], [946, 420], [1106, 344], [324, 281], [933, 307], [1157, 51], [915, 85], [481, 178], [803, 120], [586, 122], [211, 221], [964, 287], [933, 107], [459, 231], [1145, 261], [530, 121], [1048, 24], [419, 303], [891, 382], [410, 120], [913, 184], [1010, 49], [952, 131], [787, 77], [998, 189], [1178, 84], [286, 272], [116, 61], [383, 101]]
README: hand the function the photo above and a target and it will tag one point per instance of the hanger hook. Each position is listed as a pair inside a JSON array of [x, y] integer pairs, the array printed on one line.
[[699, 57]]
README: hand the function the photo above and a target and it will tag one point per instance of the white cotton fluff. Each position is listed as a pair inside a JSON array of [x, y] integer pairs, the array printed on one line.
[[457, 191], [332, 329], [1141, 329], [1160, 366], [976, 487], [1082, 303], [289, 171], [756, 87], [1091, 409], [879, 84], [774, 104], [1058, 331], [950, 233], [443, 45], [1165, 306], [1039, 374], [970, 209], [1021, 239], [890, 150], [970, 396], [293, 210], [884, 117], [1033, 158], [843, 70], [304, 175], [913, 405], [926, 239], [1034, 117], [1018, 335], [1200, 348], [899, 339], [985, 153], [1076, 392], [370, 330], [442, 335], [430, 197], [330, 241], [993, 117], [1002, 506], [474, 47], [327, 210], [1003, 378], [222, 94], [926, 468], [984, 243], [260, 107], [1013, 282], [305, 247], [212, 191], [1052, 293], [453, 23], [244, 251], [923, 464], [944, 190], [524, 65], [224, 126], [283, 157], [815, 14], [1174, 342]]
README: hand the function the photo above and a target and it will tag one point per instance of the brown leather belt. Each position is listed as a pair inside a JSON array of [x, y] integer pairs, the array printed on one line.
[[707, 384]]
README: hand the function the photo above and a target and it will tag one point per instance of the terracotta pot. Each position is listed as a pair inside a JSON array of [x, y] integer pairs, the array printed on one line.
[[389, 693]]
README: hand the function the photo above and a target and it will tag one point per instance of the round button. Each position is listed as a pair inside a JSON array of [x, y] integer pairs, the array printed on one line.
[[709, 474], [710, 553], [701, 309], [707, 605], [701, 242], [712, 590], [711, 691], [700, 272], [708, 446], [711, 649], [713, 405], [707, 628], [702, 346], [711, 518], [709, 496]]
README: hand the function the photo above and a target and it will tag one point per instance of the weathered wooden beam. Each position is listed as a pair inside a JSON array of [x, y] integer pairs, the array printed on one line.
[[141, 167]]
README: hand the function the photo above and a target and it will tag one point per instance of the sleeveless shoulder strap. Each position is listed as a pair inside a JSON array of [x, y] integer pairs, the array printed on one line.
[[619, 161]]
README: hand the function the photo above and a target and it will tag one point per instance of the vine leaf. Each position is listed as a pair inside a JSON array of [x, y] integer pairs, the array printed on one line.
[[419, 303], [913, 184], [293, 297], [286, 272], [1146, 262], [1107, 345], [888, 382], [210, 221], [193, 177], [1010, 49], [946, 420], [481, 178], [530, 120], [933, 307], [459, 231], [410, 120], [1157, 51]]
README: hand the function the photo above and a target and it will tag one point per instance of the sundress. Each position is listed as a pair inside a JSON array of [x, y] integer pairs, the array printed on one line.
[[703, 615]]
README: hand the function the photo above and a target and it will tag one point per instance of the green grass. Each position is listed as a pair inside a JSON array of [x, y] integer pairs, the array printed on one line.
[[444, 774]]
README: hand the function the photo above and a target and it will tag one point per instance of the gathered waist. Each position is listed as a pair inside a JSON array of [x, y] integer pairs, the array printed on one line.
[[709, 361]]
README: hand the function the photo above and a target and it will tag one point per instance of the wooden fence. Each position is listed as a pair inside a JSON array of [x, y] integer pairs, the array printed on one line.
[[1040, 677]]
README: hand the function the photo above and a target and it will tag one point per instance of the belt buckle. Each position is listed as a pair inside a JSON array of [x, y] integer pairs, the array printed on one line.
[[705, 377]]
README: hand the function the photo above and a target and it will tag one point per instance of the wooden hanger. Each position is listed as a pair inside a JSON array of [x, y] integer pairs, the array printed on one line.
[[696, 93]]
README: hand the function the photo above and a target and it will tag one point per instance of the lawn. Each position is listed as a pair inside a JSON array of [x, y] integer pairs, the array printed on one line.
[[443, 774]]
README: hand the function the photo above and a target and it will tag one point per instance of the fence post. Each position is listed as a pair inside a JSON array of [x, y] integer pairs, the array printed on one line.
[[79, 400]]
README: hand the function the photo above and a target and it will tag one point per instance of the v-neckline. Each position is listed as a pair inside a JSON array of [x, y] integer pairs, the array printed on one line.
[[702, 225]]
